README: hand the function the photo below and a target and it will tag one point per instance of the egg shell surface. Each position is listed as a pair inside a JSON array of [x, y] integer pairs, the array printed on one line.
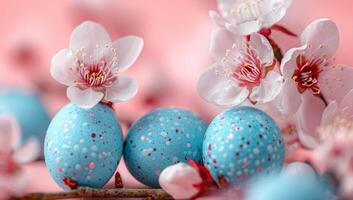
[[240, 143], [288, 188], [29, 112], [161, 138], [83, 145]]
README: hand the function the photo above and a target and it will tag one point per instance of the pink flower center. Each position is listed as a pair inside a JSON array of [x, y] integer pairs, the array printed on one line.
[[96, 75], [306, 74], [7, 164], [250, 71]]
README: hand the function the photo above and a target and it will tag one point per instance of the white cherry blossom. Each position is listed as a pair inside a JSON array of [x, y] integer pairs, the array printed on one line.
[[243, 70], [92, 63], [244, 17]]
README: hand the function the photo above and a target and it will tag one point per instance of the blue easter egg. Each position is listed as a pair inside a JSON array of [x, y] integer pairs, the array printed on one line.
[[288, 188], [240, 143], [162, 138], [29, 111], [83, 145]]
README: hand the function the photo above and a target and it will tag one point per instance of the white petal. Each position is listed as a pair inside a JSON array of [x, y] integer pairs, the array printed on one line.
[[28, 152], [220, 90], [335, 82], [63, 67], [269, 88], [123, 89], [322, 37], [128, 49], [217, 18], [223, 40], [10, 134], [346, 106], [289, 99], [289, 61], [262, 47], [330, 113], [89, 35], [277, 12], [309, 119], [87, 98], [224, 5], [245, 28], [179, 181], [334, 111]]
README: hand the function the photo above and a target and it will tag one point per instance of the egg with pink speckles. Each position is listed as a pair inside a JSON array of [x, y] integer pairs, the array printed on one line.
[[83, 146], [241, 143], [162, 138]]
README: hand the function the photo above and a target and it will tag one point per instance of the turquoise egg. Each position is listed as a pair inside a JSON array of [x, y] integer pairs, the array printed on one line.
[[29, 112], [83, 145], [240, 143], [162, 138], [288, 188]]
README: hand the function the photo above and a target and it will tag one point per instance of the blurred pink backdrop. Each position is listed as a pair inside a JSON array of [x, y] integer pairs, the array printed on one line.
[[176, 34]]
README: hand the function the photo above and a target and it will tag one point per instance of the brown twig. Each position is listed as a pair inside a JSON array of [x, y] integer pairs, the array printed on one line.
[[85, 192], [276, 50]]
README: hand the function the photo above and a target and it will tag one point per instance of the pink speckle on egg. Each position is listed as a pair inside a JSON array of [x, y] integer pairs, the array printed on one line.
[[92, 165], [91, 115], [60, 170]]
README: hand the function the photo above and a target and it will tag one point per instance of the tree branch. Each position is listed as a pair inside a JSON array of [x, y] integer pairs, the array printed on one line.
[[86, 192]]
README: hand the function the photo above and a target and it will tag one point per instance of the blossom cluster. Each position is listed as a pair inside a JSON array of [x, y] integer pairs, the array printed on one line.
[[303, 89]]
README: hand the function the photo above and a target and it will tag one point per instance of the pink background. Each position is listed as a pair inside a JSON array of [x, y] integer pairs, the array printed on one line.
[[176, 34]]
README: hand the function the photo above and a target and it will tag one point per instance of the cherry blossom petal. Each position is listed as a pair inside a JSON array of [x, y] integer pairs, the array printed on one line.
[[346, 188], [262, 47], [309, 119], [335, 82], [245, 28], [63, 67], [217, 18], [269, 88], [28, 152], [220, 90], [330, 113], [346, 106], [10, 134], [288, 100], [89, 35], [221, 41], [289, 61], [276, 13], [344, 110], [179, 181], [87, 98], [224, 5], [322, 37], [123, 89], [128, 49]]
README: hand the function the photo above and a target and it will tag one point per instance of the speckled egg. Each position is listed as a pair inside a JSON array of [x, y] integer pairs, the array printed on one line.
[[288, 188], [162, 138], [83, 146], [29, 112], [240, 143]]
